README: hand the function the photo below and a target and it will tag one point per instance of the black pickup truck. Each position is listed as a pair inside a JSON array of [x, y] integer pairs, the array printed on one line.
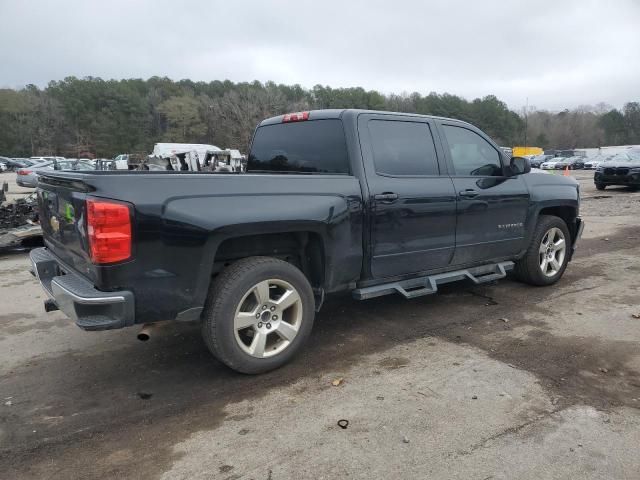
[[332, 200]]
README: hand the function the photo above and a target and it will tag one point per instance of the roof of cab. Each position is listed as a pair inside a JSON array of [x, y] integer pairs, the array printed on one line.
[[325, 114]]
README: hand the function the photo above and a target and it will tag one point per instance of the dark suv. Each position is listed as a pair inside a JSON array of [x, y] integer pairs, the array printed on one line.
[[623, 169]]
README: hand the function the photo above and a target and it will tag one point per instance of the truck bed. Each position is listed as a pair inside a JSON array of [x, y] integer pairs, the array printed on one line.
[[181, 219]]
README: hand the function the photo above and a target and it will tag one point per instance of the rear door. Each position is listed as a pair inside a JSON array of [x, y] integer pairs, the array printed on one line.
[[412, 200], [491, 207]]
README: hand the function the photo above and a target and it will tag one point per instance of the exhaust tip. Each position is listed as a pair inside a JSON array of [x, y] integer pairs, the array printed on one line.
[[50, 306], [145, 332]]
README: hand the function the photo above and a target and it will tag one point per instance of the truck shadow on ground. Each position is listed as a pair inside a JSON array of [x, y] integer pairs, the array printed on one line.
[[83, 409]]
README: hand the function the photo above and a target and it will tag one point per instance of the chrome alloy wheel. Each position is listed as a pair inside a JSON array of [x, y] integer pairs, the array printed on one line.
[[553, 249], [268, 318]]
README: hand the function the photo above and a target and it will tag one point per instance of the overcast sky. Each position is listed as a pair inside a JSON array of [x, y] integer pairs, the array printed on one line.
[[558, 53]]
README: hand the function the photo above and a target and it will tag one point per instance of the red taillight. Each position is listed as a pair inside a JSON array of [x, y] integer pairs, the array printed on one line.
[[295, 117], [23, 172], [109, 231]]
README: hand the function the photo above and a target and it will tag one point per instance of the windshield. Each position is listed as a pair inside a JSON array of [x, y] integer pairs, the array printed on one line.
[[629, 156], [634, 155]]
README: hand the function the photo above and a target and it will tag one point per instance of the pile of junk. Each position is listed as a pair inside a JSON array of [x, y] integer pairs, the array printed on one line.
[[180, 157], [19, 223]]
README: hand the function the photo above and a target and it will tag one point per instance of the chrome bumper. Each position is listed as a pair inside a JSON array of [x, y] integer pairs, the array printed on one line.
[[77, 298]]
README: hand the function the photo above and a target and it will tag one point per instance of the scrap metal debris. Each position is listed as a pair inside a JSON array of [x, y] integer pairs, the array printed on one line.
[[18, 220], [18, 212]]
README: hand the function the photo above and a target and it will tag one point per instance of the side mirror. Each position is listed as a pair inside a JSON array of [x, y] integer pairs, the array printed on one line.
[[519, 166]]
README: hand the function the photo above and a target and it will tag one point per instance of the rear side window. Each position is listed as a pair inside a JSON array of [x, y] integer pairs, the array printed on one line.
[[317, 146], [403, 148]]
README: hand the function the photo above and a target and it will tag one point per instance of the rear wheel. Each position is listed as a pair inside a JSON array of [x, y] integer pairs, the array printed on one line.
[[546, 258], [259, 313], [600, 186]]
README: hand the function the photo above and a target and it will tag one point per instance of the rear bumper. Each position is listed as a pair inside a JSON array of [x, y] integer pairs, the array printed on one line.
[[25, 183], [90, 308]]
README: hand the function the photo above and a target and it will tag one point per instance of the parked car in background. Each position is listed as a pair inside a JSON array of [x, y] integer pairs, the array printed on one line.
[[622, 169], [573, 163], [537, 160], [551, 163], [27, 162], [15, 163], [4, 163], [45, 159], [28, 176], [594, 162]]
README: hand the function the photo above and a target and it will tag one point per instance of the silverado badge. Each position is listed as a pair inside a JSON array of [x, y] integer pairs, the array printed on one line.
[[510, 225]]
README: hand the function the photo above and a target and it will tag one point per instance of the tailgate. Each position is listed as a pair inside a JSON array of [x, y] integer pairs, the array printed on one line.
[[61, 201]]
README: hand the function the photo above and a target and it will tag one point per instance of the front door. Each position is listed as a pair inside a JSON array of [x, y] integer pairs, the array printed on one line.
[[412, 206], [492, 207]]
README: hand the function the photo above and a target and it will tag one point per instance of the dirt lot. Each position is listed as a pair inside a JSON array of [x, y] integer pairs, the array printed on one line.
[[495, 382]]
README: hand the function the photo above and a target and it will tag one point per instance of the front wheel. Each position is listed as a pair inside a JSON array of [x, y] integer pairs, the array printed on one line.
[[259, 313], [600, 186], [546, 258]]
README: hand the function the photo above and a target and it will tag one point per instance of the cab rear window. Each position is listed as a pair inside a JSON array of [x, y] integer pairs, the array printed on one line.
[[316, 146]]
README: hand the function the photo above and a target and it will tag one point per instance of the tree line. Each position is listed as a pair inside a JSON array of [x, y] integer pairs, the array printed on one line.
[[91, 116]]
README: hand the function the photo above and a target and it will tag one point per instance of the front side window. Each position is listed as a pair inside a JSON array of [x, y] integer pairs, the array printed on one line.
[[471, 154], [403, 148]]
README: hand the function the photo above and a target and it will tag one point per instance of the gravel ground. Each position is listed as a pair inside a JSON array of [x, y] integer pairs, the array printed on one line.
[[494, 382]]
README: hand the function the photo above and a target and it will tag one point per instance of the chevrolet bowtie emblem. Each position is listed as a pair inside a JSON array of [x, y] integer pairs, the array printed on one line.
[[55, 224]]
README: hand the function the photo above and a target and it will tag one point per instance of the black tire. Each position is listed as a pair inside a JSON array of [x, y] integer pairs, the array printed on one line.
[[600, 186], [528, 268], [225, 295]]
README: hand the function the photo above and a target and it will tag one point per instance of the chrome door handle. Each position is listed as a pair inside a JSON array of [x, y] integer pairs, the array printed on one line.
[[468, 193], [387, 197]]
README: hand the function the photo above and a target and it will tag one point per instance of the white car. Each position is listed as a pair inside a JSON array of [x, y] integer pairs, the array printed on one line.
[[550, 165], [46, 159], [594, 162]]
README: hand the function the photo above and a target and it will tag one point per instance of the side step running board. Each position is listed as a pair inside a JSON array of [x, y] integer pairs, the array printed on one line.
[[427, 285]]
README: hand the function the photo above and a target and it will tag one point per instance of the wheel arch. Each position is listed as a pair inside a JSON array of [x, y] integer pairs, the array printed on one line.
[[303, 248], [568, 213]]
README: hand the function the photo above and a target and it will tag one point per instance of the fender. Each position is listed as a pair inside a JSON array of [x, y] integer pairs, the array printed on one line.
[[335, 218], [550, 191]]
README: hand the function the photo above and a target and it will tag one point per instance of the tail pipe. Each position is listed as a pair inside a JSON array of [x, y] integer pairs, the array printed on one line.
[[145, 332]]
